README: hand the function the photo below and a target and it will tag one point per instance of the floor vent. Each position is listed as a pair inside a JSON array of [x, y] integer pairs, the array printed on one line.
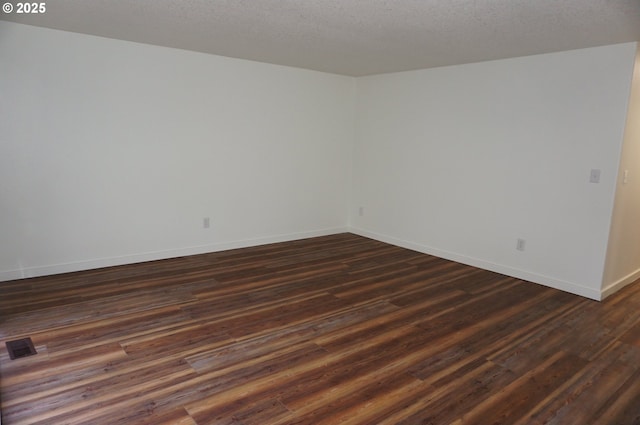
[[21, 348]]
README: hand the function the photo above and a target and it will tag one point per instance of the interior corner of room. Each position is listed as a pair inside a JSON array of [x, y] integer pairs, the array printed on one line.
[[114, 152]]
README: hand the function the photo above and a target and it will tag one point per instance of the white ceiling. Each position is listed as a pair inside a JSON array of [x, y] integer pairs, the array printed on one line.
[[352, 37]]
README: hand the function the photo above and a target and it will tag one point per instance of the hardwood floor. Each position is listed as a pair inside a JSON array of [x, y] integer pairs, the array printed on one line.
[[338, 329]]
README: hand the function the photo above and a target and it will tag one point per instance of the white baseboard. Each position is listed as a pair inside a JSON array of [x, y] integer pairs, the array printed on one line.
[[570, 287], [620, 283], [562, 285], [52, 269]]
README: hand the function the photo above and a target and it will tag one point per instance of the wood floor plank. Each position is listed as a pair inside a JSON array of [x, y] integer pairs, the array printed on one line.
[[335, 329], [590, 391], [623, 407], [444, 404], [257, 346], [522, 395], [360, 405]]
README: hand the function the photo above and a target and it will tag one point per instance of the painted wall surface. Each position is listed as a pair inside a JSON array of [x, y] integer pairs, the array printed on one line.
[[623, 255], [113, 152], [462, 161]]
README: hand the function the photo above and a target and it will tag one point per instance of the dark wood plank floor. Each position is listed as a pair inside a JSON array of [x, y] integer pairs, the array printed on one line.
[[337, 329]]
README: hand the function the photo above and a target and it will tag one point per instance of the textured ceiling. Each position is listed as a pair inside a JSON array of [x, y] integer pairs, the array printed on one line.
[[352, 37]]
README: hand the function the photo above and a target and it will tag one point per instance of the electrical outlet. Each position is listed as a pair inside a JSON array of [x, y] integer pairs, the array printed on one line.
[[594, 177], [361, 211], [206, 223], [520, 243]]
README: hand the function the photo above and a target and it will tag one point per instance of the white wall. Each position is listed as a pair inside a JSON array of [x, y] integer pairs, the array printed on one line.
[[623, 255], [113, 152], [461, 161]]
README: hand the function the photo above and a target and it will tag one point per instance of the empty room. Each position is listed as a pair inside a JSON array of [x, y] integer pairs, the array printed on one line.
[[279, 212]]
